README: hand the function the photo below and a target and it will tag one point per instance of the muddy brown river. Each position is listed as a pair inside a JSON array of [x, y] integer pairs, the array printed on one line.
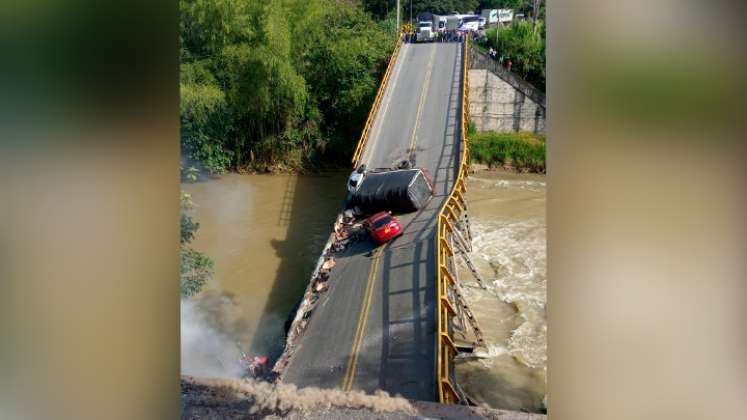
[[265, 233]]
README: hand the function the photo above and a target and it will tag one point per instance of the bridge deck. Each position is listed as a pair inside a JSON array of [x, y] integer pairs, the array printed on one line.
[[375, 326]]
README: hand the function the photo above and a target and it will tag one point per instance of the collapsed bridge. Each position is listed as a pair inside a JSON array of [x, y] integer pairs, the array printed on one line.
[[392, 316]]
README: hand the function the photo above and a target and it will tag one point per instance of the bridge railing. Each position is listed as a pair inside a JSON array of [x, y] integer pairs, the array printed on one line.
[[448, 217], [375, 107]]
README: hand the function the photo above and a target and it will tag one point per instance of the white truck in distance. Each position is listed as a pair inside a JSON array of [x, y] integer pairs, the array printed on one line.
[[470, 22], [425, 32]]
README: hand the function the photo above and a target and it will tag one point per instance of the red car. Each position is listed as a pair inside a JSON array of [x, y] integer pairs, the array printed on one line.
[[383, 227]]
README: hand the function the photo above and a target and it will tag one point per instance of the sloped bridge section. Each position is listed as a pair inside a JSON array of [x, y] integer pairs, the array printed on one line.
[[386, 318]]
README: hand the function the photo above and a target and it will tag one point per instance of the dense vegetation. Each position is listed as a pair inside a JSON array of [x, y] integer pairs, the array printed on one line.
[[196, 268], [522, 151], [385, 8], [282, 81], [524, 44]]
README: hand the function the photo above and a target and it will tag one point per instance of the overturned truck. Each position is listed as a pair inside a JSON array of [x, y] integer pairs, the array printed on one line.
[[399, 191]]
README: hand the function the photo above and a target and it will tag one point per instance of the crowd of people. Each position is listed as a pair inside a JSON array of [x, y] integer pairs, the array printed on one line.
[[410, 36]]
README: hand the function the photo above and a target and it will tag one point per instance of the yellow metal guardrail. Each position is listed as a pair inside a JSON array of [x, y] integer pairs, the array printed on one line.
[[375, 106], [447, 217]]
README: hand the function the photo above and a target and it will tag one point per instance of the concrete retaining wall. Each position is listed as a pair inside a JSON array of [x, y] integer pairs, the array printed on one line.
[[500, 101]]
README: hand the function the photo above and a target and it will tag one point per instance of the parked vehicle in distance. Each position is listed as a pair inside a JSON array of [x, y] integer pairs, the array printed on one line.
[[491, 15], [383, 227], [425, 31], [482, 22], [470, 23], [441, 23]]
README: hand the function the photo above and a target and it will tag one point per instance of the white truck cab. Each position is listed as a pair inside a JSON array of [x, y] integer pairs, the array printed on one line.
[[356, 177], [425, 31]]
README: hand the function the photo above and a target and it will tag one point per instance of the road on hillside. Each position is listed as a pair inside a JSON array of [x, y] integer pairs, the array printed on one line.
[[375, 327]]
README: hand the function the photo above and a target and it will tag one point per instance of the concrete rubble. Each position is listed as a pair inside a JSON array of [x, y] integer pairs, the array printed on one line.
[[345, 232]]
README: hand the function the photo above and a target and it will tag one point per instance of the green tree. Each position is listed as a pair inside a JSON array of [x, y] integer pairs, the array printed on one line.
[[203, 117], [268, 82], [195, 267], [433, 6], [466, 5], [381, 9]]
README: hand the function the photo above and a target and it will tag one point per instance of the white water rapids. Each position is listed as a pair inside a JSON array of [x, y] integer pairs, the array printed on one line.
[[508, 248]]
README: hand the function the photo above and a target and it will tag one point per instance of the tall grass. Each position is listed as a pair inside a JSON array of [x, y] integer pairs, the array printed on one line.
[[523, 151]]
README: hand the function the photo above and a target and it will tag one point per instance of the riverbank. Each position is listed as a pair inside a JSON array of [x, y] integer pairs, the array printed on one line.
[[521, 152], [310, 167]]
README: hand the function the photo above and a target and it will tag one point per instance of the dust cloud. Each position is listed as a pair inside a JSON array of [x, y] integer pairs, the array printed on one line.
[[205, 350], [279, 397]]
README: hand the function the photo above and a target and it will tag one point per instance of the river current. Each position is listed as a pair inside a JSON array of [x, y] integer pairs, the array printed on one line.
[[507, 213]]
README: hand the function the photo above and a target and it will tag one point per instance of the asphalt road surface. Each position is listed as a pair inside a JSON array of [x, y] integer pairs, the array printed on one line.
[[375, 326]]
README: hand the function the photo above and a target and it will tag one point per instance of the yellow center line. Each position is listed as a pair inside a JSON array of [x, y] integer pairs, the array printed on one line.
[[347, 382], [423, 94]]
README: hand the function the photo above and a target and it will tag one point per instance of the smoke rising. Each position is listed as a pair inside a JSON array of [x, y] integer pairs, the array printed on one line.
[[205, 350]]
